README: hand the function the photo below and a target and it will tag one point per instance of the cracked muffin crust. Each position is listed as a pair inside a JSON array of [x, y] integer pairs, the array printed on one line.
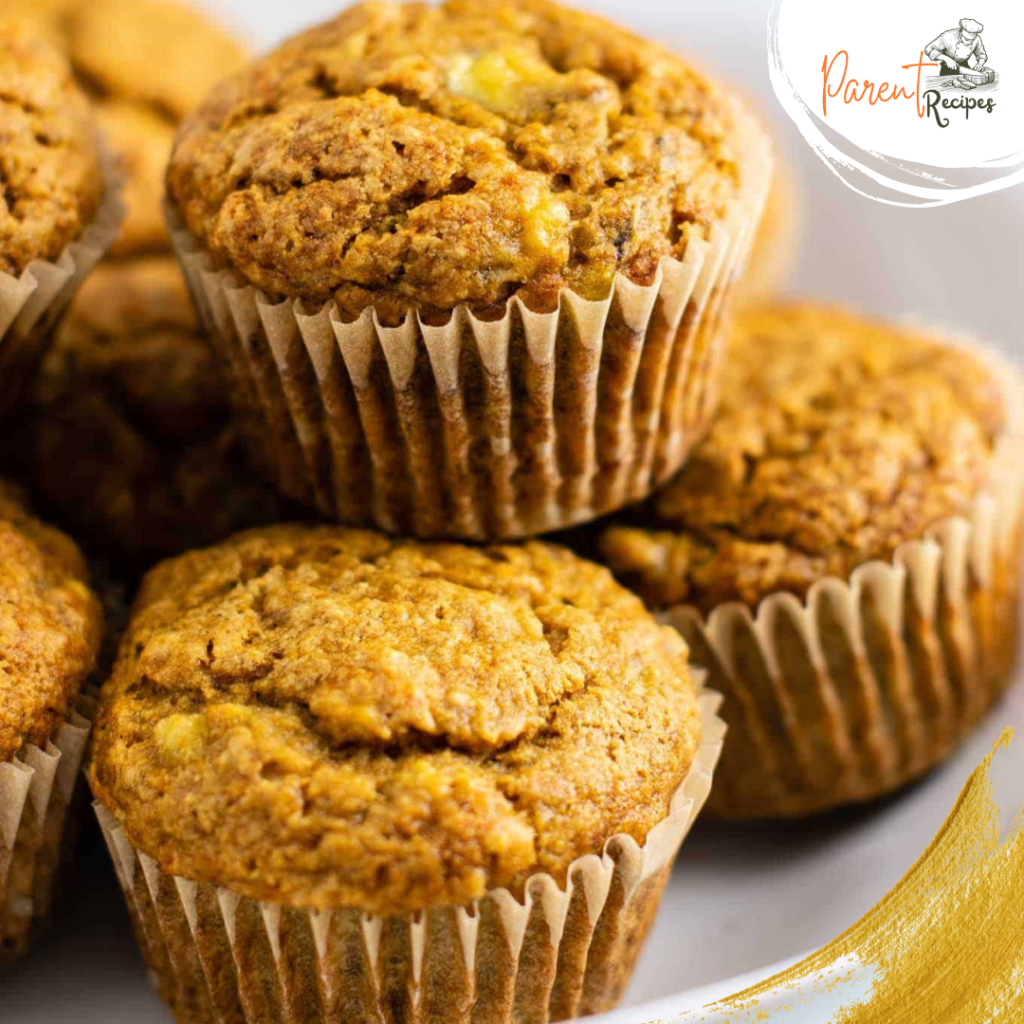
[[50, 626], [325, 717], [51, 184], [131, 407], [410, 156], [839, 438]]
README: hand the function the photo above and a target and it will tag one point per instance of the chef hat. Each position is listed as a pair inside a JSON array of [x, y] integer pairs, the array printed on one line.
[[970, 25]]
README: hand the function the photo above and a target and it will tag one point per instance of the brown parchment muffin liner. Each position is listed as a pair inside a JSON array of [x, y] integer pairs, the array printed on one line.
[[36, 790], [870, 681], [32, 304], [482, 429], [564, 951]]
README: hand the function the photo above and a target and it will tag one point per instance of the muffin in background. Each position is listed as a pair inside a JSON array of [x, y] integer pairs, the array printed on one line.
[[150, 62], [777, 242], [460, 775], [43, 19], [50, 632], [842, 555], [145, 63], [129, 443], [492, 246], [58, 210]]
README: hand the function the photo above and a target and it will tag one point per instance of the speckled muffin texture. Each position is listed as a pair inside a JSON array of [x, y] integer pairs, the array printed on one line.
[[318, 717], [496, 242], [412, 156], [51, 184], [50, 626], [356, 721], [131, 408], [838, 439], [841, 441]]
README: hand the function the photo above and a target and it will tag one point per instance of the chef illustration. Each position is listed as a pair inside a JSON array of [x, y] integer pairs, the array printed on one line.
[[958, 50]]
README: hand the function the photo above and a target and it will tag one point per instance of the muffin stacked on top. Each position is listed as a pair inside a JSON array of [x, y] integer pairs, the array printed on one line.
[[490, 250]]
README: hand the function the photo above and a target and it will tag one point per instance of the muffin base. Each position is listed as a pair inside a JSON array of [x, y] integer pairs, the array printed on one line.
[[482, 429], [31, 305], [871, 681], [563, 952], [36, 791]]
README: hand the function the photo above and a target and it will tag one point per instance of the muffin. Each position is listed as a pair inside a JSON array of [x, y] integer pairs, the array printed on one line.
[[131, 409], [842, 555], [145, 63], [150, 62], [50, 633], [58, 212], [347, 778], [142, 139], [467, 262]]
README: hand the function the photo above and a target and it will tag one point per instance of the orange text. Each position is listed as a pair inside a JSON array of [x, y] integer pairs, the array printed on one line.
[[853, 90]]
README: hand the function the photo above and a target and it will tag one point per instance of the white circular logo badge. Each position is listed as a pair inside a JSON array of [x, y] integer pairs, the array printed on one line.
[[912, 104]]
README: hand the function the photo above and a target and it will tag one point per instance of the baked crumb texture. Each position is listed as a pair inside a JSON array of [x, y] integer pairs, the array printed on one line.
[[50, 634], [400, 749], [131, 407], [390, 180], [58, 211], [51, 185], [326, 717], [842, 555]]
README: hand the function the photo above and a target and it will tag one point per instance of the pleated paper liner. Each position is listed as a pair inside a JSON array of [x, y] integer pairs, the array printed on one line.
[[870, 681], [36, 791], [482, 429], [564, 951], [31, 305]]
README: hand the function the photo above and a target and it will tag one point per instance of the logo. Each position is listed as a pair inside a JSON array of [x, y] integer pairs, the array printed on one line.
[[961, 59], [895, 102]]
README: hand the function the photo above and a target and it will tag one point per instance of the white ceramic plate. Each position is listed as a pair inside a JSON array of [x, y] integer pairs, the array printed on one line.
[[742, 898]]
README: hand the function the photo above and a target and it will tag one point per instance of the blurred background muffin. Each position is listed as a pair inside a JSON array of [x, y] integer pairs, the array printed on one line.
[[128, 444], [145, 63]]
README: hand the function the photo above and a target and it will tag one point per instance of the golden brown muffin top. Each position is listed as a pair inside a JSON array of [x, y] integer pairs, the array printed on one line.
[[839, 439], [51, 185], [50, 626], [325, 717], [131, 407], [407, 155]]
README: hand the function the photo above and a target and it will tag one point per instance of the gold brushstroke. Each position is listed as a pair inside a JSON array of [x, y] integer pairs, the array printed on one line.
[[946, 946]]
